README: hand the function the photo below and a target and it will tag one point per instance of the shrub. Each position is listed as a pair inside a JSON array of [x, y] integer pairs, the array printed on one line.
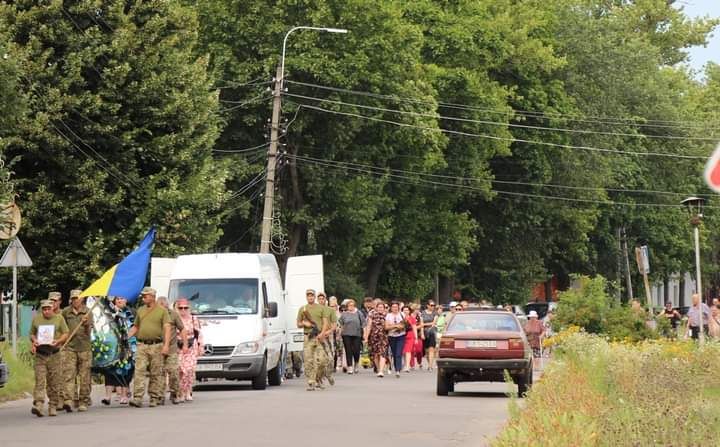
[[22, 376]]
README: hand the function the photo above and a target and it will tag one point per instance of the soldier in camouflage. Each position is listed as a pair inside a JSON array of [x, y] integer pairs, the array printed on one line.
[[178, 340], [152, 329], [77, 355], [314, 322], [48, 373], [56, 299]]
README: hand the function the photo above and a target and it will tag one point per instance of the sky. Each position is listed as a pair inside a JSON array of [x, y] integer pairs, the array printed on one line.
[[699, 8]]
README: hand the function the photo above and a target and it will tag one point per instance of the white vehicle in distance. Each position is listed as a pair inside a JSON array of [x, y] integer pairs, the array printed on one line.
[[302, 273], [240, 302]]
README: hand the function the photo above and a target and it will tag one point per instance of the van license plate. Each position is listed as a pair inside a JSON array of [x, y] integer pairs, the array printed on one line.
[[482, 344], [209, 367], [298, 338]]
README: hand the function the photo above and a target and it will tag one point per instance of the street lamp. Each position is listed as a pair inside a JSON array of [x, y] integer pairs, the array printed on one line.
[[275, 127], [694, 207]]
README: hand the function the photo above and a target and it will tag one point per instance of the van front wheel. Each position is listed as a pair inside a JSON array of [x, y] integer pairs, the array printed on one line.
[[259, 382]]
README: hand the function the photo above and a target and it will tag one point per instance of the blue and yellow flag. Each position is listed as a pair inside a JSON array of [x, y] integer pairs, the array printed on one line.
[[127, 278]]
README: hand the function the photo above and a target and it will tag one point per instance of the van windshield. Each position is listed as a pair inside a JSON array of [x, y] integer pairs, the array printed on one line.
[[217, 296]]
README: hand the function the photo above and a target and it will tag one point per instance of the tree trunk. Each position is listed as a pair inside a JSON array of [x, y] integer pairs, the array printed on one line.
[[681, 295], [666, 290], [374, 267], [447, 284]]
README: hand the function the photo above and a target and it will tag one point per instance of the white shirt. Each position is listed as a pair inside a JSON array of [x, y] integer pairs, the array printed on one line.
[[395, 319]]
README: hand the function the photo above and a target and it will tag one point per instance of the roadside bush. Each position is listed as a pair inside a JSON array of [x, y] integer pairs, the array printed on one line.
[[591, 308], [22, 377], [602, 393]]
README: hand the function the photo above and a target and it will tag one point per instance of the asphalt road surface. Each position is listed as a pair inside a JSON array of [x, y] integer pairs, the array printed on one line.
[[360, 410]]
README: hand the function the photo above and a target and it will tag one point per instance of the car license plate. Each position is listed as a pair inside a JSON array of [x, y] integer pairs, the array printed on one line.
[[209, 367], [482, 344], [298, 338]]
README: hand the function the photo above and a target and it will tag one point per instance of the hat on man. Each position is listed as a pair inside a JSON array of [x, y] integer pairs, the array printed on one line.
[[46, 303], [54, 296], [310, 292], [148, 291], [322, 294], [75, 293]]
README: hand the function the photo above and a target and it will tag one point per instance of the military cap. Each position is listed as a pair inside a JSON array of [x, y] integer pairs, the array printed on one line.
[[322, 294], [148, 291], [75, 293], [54, 296], [46, 303], [310, 292]]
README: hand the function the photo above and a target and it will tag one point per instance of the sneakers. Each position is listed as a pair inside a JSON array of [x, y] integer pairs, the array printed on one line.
[[397, 374], [52, 411], [331, 380], [380, 375], [310, 387], [37, 411], [153, 404], [135, 403], [82, 408]]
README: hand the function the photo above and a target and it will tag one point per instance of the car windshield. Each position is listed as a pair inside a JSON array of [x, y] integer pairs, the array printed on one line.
[[483, 322], [217, 296]]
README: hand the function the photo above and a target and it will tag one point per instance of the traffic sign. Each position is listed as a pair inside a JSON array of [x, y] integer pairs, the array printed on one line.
[[643, 259], [712, 171], [15, 255], [9, 220]]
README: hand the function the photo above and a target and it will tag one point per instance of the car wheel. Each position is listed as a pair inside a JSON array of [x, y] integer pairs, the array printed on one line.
[[524, 383], [444, 383], [275, 375], [259, 382]]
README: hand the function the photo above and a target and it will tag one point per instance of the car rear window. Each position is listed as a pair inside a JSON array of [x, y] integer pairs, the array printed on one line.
[[483, 322]]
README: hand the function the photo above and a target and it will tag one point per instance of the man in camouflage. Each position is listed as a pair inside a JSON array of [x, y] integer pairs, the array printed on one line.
[[313, 319], [152, 329], [56, 299], [77, 355], [171, 366], [48, 373], [327, 369]]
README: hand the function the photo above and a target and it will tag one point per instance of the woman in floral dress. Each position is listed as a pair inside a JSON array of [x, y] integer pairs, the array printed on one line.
[[188, 360], [376, 337]]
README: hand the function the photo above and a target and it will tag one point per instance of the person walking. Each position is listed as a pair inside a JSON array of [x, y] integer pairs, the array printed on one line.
[[534, 330], [376, 337], [698, 316], [327, 367], [411, 336], [188, 359], [48, 331], [152, 327], [352, 322], [178, 340], [714, 323], [77, 354], [429, 318], [395, 324], [118, 378], [56, 300], [337, 342], [313, 319]]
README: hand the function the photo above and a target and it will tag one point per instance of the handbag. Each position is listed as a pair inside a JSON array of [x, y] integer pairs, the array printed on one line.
[[190, 340]]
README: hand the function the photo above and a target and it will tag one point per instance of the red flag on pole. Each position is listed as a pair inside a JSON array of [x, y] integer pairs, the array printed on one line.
[[712, 171]]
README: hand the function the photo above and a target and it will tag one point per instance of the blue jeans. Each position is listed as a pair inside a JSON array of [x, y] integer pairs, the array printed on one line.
[[396, 347]]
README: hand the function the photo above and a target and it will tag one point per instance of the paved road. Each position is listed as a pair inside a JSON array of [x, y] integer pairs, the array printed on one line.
[[360, 410]]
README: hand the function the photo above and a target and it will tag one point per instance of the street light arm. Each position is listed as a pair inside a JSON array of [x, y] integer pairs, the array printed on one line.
[[316, 28]]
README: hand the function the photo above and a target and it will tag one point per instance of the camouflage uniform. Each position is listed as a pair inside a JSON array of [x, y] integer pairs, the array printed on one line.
[[171, 366], [150, 323], [57, 390], [77, 357], [48, 367], [314, 354]]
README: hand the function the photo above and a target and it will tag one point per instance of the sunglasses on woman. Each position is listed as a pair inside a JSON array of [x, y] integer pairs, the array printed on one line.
[[183, 308]]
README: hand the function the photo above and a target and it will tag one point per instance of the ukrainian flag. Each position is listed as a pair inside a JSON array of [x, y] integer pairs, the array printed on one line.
[[127, 278]]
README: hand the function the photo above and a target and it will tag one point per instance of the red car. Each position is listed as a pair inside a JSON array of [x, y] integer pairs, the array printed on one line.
[[478, 346]]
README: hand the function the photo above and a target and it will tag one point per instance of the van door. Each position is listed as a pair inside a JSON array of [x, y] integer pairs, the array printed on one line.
[[301, 273], [160, 271]]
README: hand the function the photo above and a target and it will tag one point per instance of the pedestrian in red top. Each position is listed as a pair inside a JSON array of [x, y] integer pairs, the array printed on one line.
[[534, 330]]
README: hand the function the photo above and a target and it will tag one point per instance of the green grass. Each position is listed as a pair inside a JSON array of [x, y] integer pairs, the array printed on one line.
[[21, 378]]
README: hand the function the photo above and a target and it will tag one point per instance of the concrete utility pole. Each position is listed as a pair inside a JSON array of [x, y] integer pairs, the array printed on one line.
[[627, 266], [271, 161], [265, 236]]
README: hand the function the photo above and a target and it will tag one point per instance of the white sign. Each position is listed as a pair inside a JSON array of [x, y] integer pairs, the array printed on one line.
[[15, 255], [643, 259]]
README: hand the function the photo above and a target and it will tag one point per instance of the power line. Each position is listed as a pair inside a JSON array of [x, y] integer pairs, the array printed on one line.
[[261, 97], [239, 151], [497, 123], [508, 139], [416, 181], [524, 113]]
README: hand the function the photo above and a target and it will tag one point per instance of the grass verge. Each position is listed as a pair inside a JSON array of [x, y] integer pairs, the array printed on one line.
[[21, 379], [601, 393]]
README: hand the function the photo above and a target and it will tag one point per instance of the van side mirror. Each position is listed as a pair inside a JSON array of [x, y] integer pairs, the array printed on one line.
[[271, 311]]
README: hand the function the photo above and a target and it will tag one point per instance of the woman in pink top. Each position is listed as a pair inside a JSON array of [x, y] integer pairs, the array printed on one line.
[[188, 360], [411, 335]]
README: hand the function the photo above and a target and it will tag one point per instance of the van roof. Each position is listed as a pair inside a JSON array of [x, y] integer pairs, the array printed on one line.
[[221, 265]]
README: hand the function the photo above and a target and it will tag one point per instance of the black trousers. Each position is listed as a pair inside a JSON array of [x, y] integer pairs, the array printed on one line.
[[353, 345], [695, 333]]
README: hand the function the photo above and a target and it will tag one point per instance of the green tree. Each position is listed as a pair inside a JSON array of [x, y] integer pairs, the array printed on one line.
[[123, 123]]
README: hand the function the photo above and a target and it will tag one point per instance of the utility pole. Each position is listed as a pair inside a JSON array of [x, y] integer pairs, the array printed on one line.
[[618, 276], [627, 265], [271, 161]]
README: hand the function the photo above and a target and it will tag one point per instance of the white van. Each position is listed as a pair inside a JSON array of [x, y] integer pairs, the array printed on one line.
[[239, 300], [248, 321]]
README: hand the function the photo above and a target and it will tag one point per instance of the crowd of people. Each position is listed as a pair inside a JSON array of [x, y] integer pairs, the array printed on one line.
[[163, 346]]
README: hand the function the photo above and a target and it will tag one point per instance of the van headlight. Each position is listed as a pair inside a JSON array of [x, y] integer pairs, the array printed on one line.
[[248, 348]]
